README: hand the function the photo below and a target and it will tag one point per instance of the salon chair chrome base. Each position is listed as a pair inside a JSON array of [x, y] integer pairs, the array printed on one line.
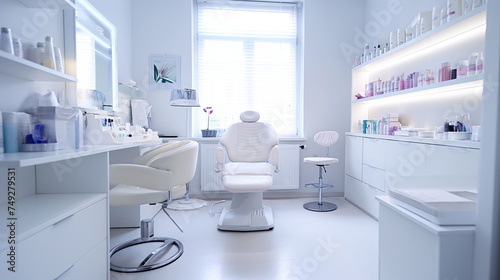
[[246, 213], [147, 233]]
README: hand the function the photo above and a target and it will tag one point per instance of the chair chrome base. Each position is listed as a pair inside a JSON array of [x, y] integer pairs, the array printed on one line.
[[147, 233], [317, 207], [246, 213], [144, 265]]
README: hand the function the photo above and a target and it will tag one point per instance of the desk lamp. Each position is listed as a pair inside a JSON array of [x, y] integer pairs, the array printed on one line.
[[185, 98]]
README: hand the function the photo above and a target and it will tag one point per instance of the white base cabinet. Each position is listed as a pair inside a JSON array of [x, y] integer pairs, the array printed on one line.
[[376, 163], [412, 248]]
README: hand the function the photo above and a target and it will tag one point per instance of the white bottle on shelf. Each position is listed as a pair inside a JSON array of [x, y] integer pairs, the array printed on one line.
[[49, 59], [479, 63], [6, 41], [454, 9], [18, 47], [59, 60]]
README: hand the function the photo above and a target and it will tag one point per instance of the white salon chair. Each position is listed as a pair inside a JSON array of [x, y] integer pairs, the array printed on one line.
[[252, 153], [157, 176], [326, 139]]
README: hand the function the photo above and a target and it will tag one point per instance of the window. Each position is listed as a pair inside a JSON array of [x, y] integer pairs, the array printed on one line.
[[248, 59]]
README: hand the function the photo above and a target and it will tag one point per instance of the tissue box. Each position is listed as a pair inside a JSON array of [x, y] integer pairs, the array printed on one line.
[[60, 125]]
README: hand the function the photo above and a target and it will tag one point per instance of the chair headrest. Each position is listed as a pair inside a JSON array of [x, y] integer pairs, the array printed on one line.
[[250, 116]]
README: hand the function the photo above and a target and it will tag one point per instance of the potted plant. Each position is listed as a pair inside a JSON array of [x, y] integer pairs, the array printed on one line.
[[208, 132]]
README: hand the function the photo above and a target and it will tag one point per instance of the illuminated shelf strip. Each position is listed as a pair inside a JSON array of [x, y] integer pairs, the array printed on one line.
[[447, 86]]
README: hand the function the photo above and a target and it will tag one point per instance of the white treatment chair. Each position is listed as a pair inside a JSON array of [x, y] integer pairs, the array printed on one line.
[[157, 176], [251, 148]]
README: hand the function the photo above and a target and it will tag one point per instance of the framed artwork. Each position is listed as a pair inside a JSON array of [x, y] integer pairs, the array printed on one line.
[[165, 72]]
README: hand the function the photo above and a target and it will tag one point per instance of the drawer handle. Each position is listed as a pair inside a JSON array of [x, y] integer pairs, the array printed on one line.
[[65, 219], [64, 272]]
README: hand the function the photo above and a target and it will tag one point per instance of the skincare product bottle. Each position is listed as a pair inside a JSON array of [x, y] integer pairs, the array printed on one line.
[[393, 40], [401, 36], [18, 47], [10, 132], [477, 3], [445, 71], [444, 16], [463, 67], [36, 53], [6, 40], [59, 60], [454, 9], [467, 6], [436, 17], [479, 63], [466, 123], [472, 64], [49, 59]]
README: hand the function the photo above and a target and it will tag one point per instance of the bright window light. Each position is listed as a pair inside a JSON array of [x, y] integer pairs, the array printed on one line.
[[247, 59]]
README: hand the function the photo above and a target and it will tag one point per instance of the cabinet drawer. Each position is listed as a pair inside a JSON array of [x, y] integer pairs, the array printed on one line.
[[354, 156], [362, 195], [406, 159], [94, 265], [50, 252], [374, 177], [374, 152]]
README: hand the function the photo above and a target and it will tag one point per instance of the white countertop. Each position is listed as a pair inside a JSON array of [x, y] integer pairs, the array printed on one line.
[[432, 141]]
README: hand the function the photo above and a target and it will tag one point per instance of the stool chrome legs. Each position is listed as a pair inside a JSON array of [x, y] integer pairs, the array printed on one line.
[[320, 206]]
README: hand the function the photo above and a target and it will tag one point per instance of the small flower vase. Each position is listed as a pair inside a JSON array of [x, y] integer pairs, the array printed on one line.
[[208, 132]]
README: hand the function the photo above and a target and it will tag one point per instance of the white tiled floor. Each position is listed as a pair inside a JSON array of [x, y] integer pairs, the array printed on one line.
[[338, 245]]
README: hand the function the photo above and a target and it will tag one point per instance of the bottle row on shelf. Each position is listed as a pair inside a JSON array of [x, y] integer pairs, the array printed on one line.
[[464, 68], [458, 129], [44, 53], [422, 23]]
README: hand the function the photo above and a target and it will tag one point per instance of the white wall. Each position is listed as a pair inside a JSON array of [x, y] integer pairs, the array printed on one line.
[[165, 27]]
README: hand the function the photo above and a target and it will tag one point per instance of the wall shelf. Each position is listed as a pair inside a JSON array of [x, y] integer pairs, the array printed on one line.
[[35, 158], [28, 70], [447, 86], [445, 32], [62, 4]]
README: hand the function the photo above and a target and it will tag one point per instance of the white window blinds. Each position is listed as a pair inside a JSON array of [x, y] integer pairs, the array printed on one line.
[[247, 60]]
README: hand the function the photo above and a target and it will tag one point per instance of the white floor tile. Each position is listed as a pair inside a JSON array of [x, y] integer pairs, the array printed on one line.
[[338, 245]]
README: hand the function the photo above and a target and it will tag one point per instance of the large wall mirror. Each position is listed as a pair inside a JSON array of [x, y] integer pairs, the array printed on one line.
[[95, 59]]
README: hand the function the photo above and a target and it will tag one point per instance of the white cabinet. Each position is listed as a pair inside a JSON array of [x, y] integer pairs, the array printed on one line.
[[354, 162], [60, 210], [406, 162], [413, 248]]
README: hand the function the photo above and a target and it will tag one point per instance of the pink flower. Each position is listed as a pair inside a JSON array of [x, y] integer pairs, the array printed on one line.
[[209, 111]]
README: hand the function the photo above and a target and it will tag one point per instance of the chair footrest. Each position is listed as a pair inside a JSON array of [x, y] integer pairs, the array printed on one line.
[[317, 185]]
